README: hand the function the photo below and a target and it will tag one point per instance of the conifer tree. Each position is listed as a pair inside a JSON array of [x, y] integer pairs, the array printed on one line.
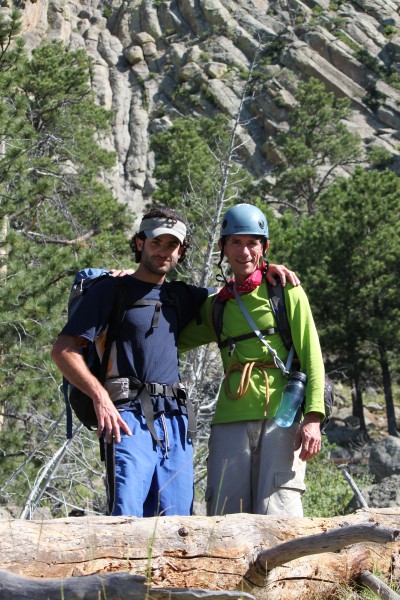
[[349, 257], [316, 144], [60, 218]]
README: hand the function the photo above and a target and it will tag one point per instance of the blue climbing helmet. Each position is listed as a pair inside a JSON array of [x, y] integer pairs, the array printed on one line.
[[244, 219]]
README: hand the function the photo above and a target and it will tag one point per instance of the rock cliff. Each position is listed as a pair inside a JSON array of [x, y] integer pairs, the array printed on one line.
[[155, 60]]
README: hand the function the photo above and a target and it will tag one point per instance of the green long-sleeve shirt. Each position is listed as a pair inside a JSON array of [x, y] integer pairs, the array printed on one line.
[[254, 404]]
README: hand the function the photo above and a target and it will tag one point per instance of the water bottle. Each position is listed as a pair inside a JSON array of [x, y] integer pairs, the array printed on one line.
[[292, 397]]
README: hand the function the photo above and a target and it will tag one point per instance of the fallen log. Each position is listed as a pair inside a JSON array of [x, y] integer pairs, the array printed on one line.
[[206, 553], [112, 586]]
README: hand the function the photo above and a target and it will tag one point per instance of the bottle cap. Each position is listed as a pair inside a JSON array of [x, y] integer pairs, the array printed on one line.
[[298, 375]]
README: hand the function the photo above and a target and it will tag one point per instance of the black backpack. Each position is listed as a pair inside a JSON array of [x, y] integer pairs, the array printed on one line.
[[75, 400], [277, 302], [80, 403]]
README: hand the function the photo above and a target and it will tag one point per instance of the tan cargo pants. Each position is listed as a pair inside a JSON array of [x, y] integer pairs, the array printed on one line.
[[252, 468]]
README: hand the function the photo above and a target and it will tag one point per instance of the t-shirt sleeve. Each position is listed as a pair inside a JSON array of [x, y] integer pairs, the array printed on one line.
[[93, 311]]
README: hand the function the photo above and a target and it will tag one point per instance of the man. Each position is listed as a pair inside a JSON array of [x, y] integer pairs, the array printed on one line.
[[149, 453], [255, 466]]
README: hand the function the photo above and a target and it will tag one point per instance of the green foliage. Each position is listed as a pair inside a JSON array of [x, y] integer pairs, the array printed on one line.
[[390, 31], [107, 12], [346, 39], [317, 139], [11, 46], [274, 48], [393, 79], [188, 157], [327, 493], [370, 61], [380, 158], [336, 4], [359, 219], [56, 217], [349, 259]]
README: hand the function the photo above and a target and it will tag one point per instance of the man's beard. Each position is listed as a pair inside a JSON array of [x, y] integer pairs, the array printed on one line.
[[156, 268]]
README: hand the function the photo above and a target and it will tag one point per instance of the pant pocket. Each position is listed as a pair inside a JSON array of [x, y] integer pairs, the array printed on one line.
[[289, 481], [286, 497]]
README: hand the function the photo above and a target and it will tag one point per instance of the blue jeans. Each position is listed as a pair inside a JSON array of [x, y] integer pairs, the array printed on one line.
[[144, 479]]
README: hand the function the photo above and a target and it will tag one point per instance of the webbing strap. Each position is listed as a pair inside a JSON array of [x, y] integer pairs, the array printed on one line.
[[157, 308], [148, 413], [191, 417], [231, 341], [123, 389], [147, 409], [258, 333], [68, 410]]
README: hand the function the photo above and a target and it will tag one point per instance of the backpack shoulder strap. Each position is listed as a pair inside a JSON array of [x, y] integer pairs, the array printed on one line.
[[115, 321], [277, 300], [217, 316], [179, 295]]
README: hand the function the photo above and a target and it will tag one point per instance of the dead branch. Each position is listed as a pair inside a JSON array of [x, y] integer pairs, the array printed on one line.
[[377, 586], [47, 239], [353, 485], [328, 541]]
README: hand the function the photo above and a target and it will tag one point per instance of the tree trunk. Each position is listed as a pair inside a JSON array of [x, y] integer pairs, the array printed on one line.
[[358, 407], [4, 227], [387, 388], [266, 556]]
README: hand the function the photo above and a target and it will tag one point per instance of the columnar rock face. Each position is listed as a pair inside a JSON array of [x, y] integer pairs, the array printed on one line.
[[155, 60]]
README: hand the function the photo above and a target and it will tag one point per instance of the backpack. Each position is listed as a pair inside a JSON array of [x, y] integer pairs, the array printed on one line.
[[75, 400], [278, 306]]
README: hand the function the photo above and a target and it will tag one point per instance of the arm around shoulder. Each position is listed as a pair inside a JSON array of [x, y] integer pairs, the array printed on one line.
[[199, 330]]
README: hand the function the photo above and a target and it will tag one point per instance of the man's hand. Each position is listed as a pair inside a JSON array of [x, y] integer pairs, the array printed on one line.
[[121, 272], [308, 436], [283, 273], [67, 356], [109, 419]]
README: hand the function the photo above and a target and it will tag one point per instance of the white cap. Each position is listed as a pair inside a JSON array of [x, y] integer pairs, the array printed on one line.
[[160, 225]]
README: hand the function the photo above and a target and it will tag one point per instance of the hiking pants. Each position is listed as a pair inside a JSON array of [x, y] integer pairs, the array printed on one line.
[[252, 468], [144, 479]]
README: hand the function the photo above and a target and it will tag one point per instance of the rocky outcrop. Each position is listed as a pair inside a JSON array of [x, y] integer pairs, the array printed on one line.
[[384, 459], [155, 59]]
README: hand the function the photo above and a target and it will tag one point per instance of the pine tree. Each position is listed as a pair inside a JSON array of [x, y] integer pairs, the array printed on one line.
[[350, 260], [57, 218], [315, 145]]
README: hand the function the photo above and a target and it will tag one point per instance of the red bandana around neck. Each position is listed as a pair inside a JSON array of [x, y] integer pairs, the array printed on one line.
[[250, 284]]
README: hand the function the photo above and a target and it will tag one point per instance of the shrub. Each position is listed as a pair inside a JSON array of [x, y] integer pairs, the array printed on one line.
[[327, 493]]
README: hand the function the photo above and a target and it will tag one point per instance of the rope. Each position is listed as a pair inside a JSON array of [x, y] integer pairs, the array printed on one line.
[[246, 371]]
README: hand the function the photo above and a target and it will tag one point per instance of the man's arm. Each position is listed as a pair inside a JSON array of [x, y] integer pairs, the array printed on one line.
[[67, 356], [274, 272]]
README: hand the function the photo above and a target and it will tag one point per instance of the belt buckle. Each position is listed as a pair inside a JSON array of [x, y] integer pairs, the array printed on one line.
[[180, 394], [152, 389]]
